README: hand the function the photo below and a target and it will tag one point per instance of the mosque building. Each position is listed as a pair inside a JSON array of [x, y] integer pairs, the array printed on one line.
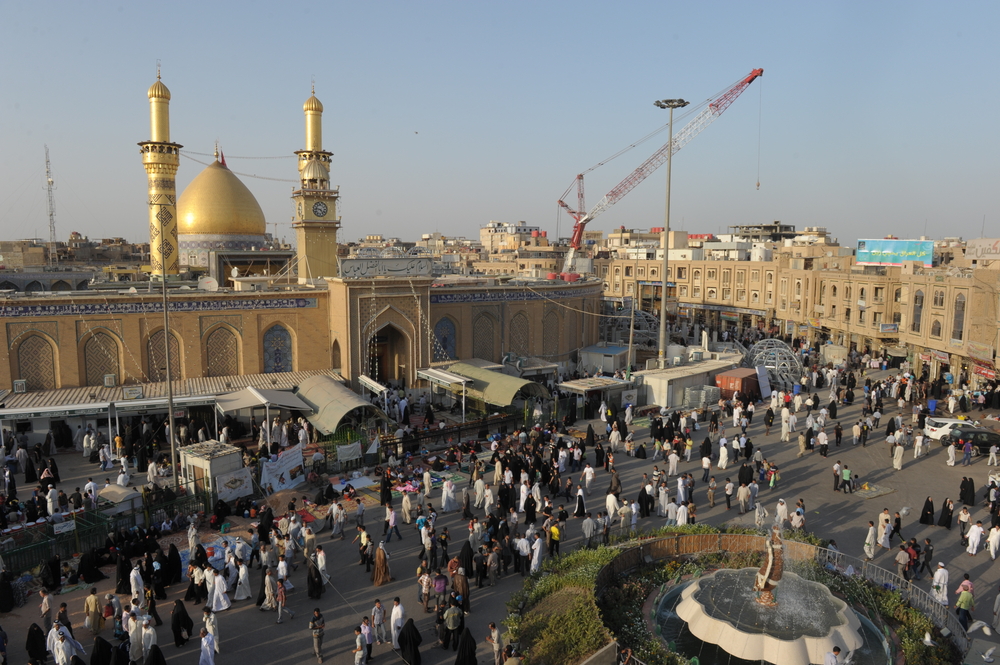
[[384, 319]]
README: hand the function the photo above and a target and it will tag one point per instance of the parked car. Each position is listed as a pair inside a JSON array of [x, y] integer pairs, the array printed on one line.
[[936, 428], [982, 439]]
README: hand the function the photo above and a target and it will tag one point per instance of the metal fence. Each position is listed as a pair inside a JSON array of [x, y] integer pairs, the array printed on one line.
[[89, 531], [681, 545]]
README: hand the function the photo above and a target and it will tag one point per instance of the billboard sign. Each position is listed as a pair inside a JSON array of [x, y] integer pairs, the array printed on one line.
[[888, 327], [895, 252], [983, 248]]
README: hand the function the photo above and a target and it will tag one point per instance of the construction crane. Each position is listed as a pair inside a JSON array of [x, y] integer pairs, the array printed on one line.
[[714, 109], [50, 186]]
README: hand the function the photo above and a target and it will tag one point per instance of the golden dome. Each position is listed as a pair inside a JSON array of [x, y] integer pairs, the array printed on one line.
[[314, 170], [217, 203], [158, 91], [313, 104]]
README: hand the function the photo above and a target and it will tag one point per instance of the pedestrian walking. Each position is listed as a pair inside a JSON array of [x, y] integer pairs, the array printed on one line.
[[316, 626], [280, 597]]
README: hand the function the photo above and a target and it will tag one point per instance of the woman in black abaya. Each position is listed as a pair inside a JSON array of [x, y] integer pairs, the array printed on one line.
[[174, 570], [598, 456], [927, 514], [88, 570], [314, 581], [946, 514], [155, 656], [200, 555], [969, 491], [101, 655], [30, 475], [123, 584], [466, 649], [54, 468], [530, 517], [409, 641], [35, 644], [465, 556], [180, 623]]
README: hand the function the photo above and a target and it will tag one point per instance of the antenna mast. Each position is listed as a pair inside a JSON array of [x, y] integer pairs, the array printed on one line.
[[50, 187]]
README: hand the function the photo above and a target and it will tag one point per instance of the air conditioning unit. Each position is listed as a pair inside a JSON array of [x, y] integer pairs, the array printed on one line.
[[110, 380], [20, 386]]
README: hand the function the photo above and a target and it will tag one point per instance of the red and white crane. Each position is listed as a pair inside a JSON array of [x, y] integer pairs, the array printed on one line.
[[712, 111]]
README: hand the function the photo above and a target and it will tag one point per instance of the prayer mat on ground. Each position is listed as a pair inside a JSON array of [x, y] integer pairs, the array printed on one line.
[[871, 490]]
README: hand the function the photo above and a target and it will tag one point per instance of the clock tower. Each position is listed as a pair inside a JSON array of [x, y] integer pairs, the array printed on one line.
[[316, 219]]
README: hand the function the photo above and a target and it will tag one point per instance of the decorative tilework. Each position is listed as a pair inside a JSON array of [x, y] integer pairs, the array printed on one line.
[[520, 335], [16, 330], [277, 350], [164, 215], [209, 304], [222, 350], [550, 334], [483, 337], [444, 333], [100, 357], [511, 294], [154, 230], [156, 358], [83, 327], [234, 320], [36, 363]]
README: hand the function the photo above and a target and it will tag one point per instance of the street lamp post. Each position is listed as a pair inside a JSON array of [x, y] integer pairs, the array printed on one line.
[[661, 356]]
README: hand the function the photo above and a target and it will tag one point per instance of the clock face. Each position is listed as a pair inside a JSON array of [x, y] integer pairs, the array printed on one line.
[[319, 209]]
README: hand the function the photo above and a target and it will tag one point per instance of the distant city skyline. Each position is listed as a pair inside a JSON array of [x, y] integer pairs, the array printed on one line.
[[869, 120]]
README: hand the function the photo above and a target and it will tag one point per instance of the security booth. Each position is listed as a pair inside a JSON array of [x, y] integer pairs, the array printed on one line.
[[590, 392], [203, 463]]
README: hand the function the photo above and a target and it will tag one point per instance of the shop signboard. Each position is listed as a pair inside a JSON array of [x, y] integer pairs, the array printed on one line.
[[888, 327], [984, 371], [892, 252], [981, 353], [986, 249], [941, 357]]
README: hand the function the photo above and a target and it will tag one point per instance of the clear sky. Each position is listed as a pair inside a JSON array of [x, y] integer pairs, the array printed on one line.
[[870, 119]]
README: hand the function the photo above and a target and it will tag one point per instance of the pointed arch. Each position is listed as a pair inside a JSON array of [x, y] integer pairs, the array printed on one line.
[[279, 354], [445, 339], [520, 335], [484, 337], [156, 357], [335, 355], [61, 285], [34, 287], [8, 286], [550, 334], [222, 352], [36, 362], [101, 356]]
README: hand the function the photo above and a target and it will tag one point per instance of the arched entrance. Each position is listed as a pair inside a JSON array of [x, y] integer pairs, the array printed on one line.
[[389, 356]]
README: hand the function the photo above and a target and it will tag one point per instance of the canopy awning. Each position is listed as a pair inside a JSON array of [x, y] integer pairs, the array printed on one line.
[[440, 377], [497, 388], [62, 411], [330, 401], [249, 398]]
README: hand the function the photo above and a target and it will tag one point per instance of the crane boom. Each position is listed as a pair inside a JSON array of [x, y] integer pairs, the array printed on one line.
[[678, 141]]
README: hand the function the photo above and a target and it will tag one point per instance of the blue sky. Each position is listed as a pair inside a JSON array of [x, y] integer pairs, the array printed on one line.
[[871, 118]]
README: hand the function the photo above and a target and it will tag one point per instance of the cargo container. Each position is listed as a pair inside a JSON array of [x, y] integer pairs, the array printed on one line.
[[742, 380]]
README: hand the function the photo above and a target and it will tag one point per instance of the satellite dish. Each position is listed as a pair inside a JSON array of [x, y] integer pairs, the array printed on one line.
[[208, 284], [235, 272], [132, 290]]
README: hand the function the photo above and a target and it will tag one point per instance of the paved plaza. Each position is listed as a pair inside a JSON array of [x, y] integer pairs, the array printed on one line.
[[250, 634]]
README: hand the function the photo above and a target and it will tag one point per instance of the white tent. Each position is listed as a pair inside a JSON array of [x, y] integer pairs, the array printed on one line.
[[249, 398]]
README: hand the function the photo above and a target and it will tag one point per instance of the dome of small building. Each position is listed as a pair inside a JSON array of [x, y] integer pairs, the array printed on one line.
[[314, 170], [158, 91], [313, 104], [218, 203]]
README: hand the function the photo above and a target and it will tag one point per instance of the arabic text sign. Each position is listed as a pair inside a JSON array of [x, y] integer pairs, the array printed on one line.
[[403, 267], [983, 248], [895, 252]]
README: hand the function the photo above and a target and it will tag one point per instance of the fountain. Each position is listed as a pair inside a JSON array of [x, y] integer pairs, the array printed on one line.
[[766, 615]]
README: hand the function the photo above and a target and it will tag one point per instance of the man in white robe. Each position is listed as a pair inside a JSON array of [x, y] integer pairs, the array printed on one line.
[[396, 620], [135, 580], [939, 585], [220, 599], [243, 584], [975, 535], [148, 638], [207, 656], [993, 540]]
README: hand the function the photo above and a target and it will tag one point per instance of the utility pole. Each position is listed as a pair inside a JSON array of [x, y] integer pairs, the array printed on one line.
[[50, 186], [661, 355]]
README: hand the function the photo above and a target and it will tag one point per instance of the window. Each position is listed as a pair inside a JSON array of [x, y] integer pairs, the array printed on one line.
[[769, 297], [861, 293], [784, 303], [879, 294], [727, 294], [618, 272], [741, 294], [726, 276], [682, 290], [652, 272], [876, 319], [754, 275], [939, 299], [958, 323], [696, 275], [847, 315], [861, 316], [618, 287], [712, 294], [833, 311], [604, 271], [755, 297], [696, 291], [741, 276], [770, 278], [784, 286], [897, 317], [798, 288], [847, 293], [628, 271], [936, 328], [897, 295], [833, 292], [918, 311], [682, 273], [642, 272], [711, 274]]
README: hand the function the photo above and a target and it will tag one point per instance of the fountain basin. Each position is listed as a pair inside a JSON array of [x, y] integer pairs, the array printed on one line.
[[807, 622]]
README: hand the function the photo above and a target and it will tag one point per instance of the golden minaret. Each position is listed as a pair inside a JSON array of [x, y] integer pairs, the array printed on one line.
[[161, 158], [316, 218]]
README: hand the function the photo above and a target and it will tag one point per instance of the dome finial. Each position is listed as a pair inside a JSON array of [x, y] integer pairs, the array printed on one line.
[[157, 69], [314, 85], [216, 153]]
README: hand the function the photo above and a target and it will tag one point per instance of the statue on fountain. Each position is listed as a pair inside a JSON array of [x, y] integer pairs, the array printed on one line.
[[770, 573]]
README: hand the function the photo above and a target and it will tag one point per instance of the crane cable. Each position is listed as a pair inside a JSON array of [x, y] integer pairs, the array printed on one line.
[[760, 112]]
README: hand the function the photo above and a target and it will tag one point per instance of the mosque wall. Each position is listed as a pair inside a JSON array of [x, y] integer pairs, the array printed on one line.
[[71, 342]]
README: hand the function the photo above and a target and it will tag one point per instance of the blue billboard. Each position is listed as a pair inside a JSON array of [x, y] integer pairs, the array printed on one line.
[[894, 252]]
